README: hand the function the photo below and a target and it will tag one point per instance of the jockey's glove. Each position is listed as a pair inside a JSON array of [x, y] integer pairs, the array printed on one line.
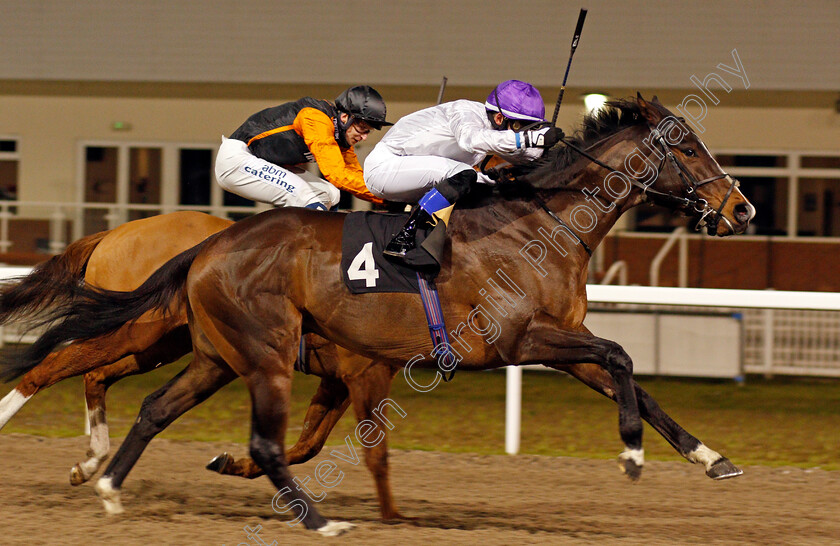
[[543, 138]]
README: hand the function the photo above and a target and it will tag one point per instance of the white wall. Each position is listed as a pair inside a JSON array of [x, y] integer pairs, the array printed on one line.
[[657, 43]]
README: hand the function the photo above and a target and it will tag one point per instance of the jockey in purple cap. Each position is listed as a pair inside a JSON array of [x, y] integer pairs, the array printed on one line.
[[430, 155]]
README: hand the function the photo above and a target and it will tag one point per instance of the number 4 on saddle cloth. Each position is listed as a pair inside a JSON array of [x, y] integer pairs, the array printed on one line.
[[365, 269]]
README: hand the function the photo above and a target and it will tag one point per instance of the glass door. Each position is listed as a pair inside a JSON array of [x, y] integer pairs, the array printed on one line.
[[100, 175], [123, 175]]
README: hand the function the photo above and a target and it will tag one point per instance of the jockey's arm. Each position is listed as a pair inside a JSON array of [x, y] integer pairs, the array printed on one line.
[[341, 169], [473, 136]]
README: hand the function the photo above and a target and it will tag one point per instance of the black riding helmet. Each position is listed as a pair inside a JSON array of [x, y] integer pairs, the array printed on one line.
[[361, 103]]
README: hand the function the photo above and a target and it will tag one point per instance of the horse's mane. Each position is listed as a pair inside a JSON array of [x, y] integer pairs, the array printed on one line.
[[614, 116]]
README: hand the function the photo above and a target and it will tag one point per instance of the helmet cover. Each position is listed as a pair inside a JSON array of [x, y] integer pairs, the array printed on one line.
[[516, 100]]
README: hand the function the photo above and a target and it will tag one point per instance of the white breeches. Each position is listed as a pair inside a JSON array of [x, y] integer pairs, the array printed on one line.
[[241, 172], [407, 178]]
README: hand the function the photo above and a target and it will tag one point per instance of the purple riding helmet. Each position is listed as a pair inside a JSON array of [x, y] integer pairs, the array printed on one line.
[[516, 100]]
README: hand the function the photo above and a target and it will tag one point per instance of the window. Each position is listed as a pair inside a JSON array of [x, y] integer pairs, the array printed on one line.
[[100, 185], [795, 194], [769, 196], [144, 180], [819, 207], [768, 193], [752, 160], [9, 159], [195, 176], [196, 180]]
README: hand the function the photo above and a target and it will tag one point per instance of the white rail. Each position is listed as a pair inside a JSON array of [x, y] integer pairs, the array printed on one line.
[[58, 214], [714, 297]]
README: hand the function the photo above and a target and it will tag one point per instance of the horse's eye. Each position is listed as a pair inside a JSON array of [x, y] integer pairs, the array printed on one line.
[[689, 152]]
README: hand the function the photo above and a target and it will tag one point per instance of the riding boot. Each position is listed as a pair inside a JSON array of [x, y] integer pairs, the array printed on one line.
[[404, 240], [437, 199]]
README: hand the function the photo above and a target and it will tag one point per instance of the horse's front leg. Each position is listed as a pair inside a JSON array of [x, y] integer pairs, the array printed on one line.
[[545, 343], [717, 466]]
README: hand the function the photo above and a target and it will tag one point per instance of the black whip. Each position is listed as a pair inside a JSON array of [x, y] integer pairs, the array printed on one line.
[[575, 41]]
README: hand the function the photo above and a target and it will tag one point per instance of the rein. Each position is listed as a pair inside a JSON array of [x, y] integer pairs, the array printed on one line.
[[544, 206]]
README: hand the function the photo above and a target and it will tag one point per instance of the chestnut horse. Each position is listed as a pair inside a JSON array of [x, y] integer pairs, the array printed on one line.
[[253, 289]]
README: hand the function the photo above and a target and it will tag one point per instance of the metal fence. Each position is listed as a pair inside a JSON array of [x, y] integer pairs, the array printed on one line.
[[792, 342], [775, 341], [784, 333]]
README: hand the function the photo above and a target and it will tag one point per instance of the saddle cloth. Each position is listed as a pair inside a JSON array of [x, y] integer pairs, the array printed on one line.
[[363, 267]]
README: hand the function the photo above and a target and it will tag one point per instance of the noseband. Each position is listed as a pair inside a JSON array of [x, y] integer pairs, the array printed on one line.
[[709, 217]]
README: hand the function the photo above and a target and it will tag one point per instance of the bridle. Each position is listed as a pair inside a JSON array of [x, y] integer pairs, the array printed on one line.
[[709, 217], [690, 183]]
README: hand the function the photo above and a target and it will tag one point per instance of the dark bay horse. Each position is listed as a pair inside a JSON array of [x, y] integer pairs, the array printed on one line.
[[121, 259], [254, 288]]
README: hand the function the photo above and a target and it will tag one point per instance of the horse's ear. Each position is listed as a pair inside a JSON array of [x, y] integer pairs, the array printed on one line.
[[649, 111], [655, 100]]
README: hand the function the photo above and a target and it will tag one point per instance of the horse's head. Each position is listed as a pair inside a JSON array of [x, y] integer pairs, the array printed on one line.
[[688, 177]]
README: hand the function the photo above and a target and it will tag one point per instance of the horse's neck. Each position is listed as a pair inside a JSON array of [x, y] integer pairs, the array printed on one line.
[[595, 198]]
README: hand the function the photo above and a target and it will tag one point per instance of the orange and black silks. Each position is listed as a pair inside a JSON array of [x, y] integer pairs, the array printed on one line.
[[300, 132]]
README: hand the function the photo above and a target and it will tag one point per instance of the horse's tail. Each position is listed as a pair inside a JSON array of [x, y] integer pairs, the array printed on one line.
[[50, 282], [93, 312]]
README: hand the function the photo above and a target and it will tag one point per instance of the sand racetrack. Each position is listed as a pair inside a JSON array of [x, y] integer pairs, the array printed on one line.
[[456, 498]]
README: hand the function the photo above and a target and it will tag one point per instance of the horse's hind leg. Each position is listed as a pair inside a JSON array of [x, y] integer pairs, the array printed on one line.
[[717, 466], [200, 379], [368, 390], [263, 353], [326, 408], [72, 360], [96, 384], [169, 348]]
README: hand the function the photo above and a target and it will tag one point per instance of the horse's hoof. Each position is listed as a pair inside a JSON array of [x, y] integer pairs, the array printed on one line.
[[109, 495], [219, 462], [77, 475], [631, 470], [335, 528], [631, 462], [723, 469]]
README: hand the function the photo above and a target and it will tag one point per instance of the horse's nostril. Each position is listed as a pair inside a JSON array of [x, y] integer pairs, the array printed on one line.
[[742, 212]]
